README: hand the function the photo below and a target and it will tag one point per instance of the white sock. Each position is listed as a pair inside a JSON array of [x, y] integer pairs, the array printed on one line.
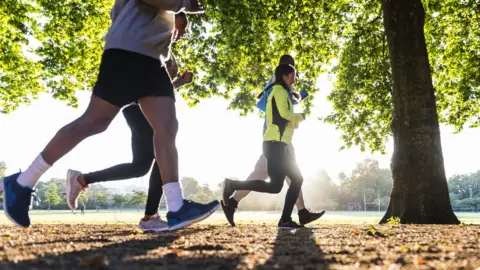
[[173, 196], [30, 177]]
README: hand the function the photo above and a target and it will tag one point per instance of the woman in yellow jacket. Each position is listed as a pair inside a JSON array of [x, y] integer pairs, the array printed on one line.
[[281, 123]]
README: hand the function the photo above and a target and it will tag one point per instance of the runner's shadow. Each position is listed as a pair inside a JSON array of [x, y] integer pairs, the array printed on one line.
[[296, 249], [131, 254]]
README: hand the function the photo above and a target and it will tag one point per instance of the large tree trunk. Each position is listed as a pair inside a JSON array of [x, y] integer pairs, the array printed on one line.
[[420, 191]]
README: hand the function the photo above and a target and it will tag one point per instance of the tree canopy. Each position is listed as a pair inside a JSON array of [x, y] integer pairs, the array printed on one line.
[[362, 92], [234, 46]]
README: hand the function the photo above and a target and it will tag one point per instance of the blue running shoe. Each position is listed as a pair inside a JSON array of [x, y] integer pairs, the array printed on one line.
[[16, 200], [189, 213]]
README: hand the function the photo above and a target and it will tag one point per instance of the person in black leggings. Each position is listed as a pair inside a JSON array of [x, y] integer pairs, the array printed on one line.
[[143, 156], [281, 121]]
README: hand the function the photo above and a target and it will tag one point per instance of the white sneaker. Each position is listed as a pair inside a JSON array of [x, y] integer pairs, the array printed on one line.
[[73, 188], [154, 224]]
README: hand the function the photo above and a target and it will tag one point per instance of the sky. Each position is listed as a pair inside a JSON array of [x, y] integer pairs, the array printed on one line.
[[213, 142]]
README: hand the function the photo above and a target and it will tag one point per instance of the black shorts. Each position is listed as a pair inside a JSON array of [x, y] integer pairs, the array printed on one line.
[[126, 77]]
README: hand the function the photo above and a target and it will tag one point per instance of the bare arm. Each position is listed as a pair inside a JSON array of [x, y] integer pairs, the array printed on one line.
[[185, 79]]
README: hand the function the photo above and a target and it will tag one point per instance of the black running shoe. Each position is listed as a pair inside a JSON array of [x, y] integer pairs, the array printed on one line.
[[229, 210], [288, 224], [306, 216], [227, 190]]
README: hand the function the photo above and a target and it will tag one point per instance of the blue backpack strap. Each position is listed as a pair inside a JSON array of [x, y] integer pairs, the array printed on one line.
[[262, 102]]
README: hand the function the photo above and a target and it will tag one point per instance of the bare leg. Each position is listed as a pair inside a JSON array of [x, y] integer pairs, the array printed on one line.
[[95, 119], [161, 114]]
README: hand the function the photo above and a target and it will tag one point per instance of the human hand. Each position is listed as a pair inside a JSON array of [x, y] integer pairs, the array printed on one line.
[[296, 96], [187, 77]]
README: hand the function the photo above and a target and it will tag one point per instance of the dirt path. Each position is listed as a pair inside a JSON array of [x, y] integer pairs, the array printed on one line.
[[257, 246]]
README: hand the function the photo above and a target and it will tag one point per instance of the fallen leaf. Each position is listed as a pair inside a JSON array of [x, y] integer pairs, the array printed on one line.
[[177, 252], [180, 240]]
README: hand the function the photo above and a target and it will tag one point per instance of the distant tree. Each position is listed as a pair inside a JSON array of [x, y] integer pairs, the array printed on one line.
[[367, 181], [101, 198], [138, 198], [203, 195], [83, 198], [471, 202], [119, 200], [462, 184], [51, 195], [98, 195], [320, 192], [190, 187], [3, 168]]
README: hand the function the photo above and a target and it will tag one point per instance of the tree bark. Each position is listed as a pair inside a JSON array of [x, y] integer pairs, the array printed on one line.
[[420, 191]]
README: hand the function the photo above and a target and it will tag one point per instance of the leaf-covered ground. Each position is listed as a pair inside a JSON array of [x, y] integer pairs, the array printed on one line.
[[249, 246]]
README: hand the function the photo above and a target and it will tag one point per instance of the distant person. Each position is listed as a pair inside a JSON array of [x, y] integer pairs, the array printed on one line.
[[260, 170], [131, 70], [281, 120], [82, 209]]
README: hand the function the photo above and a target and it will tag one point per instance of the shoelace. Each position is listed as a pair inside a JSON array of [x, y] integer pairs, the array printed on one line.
[[29, 195]]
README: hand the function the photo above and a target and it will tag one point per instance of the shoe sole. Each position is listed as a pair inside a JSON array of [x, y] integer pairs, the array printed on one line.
[[289, 228], [195, 220], [323, 213], [223, 208], [69, 187], [155, 230], [5, 207]]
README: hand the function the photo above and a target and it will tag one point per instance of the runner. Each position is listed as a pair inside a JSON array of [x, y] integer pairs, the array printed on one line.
[[132, 69], [305, 215], [143, 156], [281, 122]]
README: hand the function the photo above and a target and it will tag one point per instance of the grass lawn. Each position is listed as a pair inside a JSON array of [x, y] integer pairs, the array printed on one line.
[[132, 217]]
